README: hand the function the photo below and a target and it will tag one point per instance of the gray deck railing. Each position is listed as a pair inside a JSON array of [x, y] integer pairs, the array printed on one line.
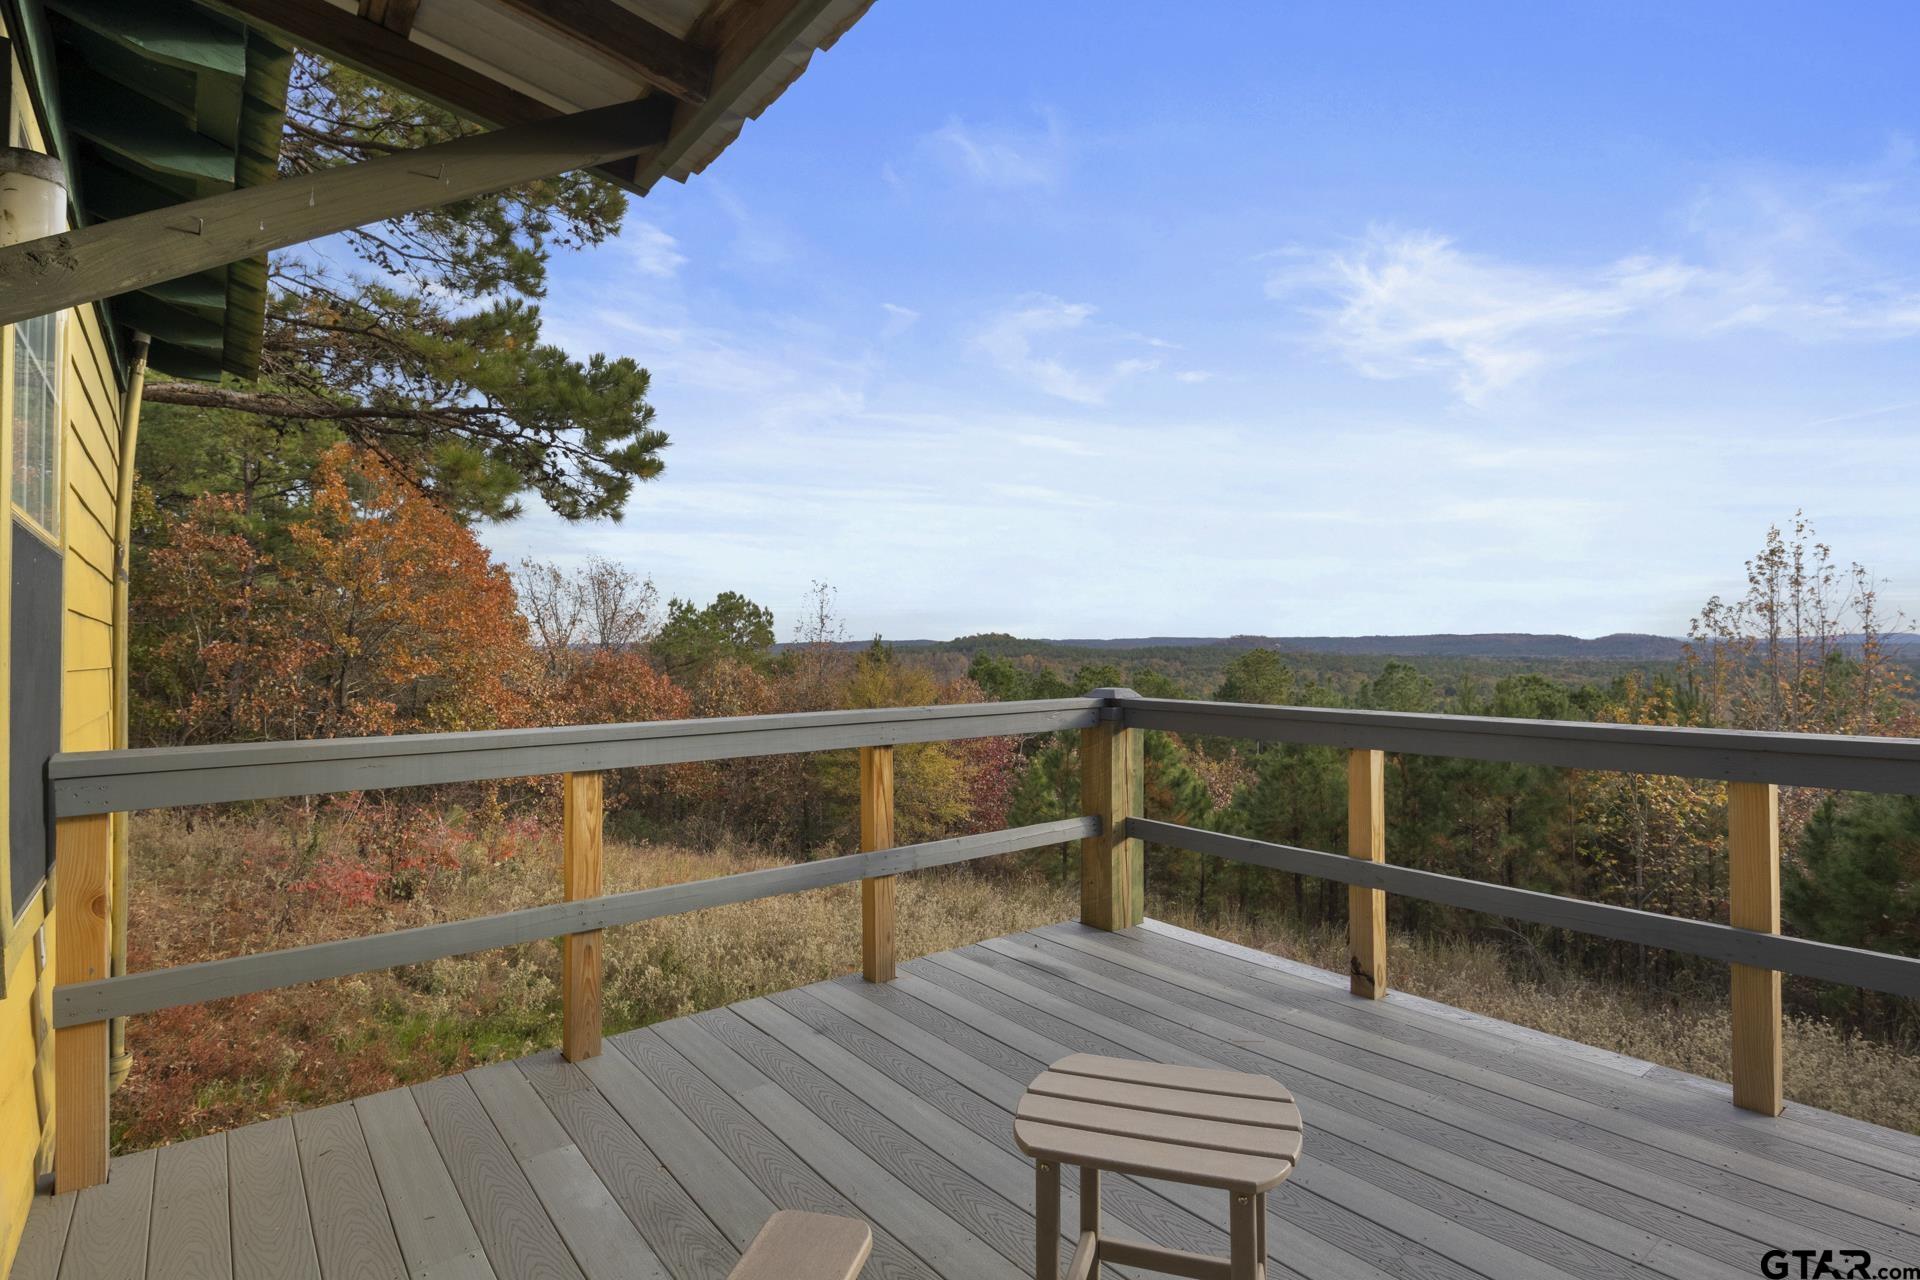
[[86, 787]]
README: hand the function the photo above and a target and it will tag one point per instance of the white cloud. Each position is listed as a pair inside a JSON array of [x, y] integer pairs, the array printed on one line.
[[654, 251], [1047, 342], [1794, 256], [1194, 376], [1002, 157], [899, 319]]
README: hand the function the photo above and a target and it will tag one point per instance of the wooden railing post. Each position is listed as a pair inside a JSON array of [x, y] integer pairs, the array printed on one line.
[[82, 942], [1753, 856], [581, 819], [876, 892], [1113, 876], [1367, 908]]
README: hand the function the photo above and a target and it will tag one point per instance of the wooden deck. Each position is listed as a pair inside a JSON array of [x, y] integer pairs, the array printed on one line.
[[1438, 1144]]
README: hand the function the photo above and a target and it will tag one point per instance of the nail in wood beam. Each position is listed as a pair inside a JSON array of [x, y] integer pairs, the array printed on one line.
[[1753, 855], [1367, 908], [83, 857], [1113, 789], [876, 892], [581, 821]]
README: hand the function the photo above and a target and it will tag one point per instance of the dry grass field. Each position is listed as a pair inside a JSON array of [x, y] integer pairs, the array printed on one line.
[[208, 889]]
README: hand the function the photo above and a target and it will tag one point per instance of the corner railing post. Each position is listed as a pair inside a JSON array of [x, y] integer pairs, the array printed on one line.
[[82, 906], [1113, 877], [1367, 908], [1753, 856], [581, 820], [876, 892]]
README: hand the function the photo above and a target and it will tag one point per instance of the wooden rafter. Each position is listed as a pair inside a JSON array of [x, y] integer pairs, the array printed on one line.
[[651, 52], [109, 258], [395, 15], [378, 51]]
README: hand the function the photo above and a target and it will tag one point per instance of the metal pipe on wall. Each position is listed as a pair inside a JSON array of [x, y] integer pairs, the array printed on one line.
[[119, 1061]]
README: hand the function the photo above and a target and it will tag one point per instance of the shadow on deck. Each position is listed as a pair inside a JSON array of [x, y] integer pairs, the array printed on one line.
[[1438, 1143]]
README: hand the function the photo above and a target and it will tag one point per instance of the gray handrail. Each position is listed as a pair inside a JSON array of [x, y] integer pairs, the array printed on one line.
[[1841, 761], [1848, 966], [82, 1002], [92, 782]]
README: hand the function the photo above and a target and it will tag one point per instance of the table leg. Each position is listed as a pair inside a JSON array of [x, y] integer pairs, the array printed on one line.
[[1244, 1263], [1260, 1223], [1090, 1207], [1046, 1220]]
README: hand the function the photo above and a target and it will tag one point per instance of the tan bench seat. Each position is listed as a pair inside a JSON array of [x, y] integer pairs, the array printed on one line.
[[806, 1246]]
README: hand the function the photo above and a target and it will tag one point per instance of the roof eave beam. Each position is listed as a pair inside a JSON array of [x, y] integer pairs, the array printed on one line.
[[654, 54], [109, 258]]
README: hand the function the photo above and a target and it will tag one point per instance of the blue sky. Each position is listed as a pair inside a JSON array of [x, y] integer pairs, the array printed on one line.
[[1114, 319]]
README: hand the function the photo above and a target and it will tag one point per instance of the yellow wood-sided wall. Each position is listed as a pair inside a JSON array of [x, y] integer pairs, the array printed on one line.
[[90, 421]]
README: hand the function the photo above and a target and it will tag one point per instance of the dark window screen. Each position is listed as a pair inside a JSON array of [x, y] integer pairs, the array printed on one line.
[[35, 713]]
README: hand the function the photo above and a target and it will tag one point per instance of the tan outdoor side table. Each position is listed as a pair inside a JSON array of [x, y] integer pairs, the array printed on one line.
[[1225, 1129]]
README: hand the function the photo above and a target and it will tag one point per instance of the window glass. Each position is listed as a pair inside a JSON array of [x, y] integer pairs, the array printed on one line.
[[36, 421]]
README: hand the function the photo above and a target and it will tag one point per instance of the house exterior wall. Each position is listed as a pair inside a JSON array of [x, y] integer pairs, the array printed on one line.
[[80, 594]]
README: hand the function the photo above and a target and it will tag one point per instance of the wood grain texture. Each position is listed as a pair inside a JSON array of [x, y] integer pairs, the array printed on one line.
[[108, 1238], [83, 854], [436, 1236], [352, 1233], [192, 1236], [1367, 908], [1753, 858], [44, 1239], [272, 1231], [876, 892], [1112, 863], [514, 1229], [583, 820], [676, 1229], [652, 53], [602, 1239]]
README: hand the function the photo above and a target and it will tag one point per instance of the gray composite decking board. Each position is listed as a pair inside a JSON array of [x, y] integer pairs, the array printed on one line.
[[1675, 1212], [192, 1235], [932, 1175], [436, 1236], [980, 1097], [598, 1232], [352, 1233], [267, 1197], [513, 1226], [43, 1239], [1782, 1189], [1438, 1146], [1576, 1147], [678, 1231], [1565, 1251], [1832, 1156], [1007, 1174], [950, 1249], [781, 1174], [736, 1206], [1509, 1179], [1634, 1214], [1455, 1250], [1301, 1214], [108, 1238]]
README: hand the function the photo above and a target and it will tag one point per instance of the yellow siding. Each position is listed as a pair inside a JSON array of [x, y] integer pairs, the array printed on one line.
[[20, 1108], [90, 393]]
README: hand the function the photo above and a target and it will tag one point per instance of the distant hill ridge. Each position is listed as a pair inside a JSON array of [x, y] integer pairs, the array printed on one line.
[[1620, 646]]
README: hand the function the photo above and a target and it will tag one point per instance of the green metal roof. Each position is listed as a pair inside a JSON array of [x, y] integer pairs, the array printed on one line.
[[152, 102]]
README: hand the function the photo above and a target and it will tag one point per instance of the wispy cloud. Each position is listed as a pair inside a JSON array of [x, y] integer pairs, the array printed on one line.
[[653, 250], [1792, 255], [1048, 343], [1001, 156], [899, 319]]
